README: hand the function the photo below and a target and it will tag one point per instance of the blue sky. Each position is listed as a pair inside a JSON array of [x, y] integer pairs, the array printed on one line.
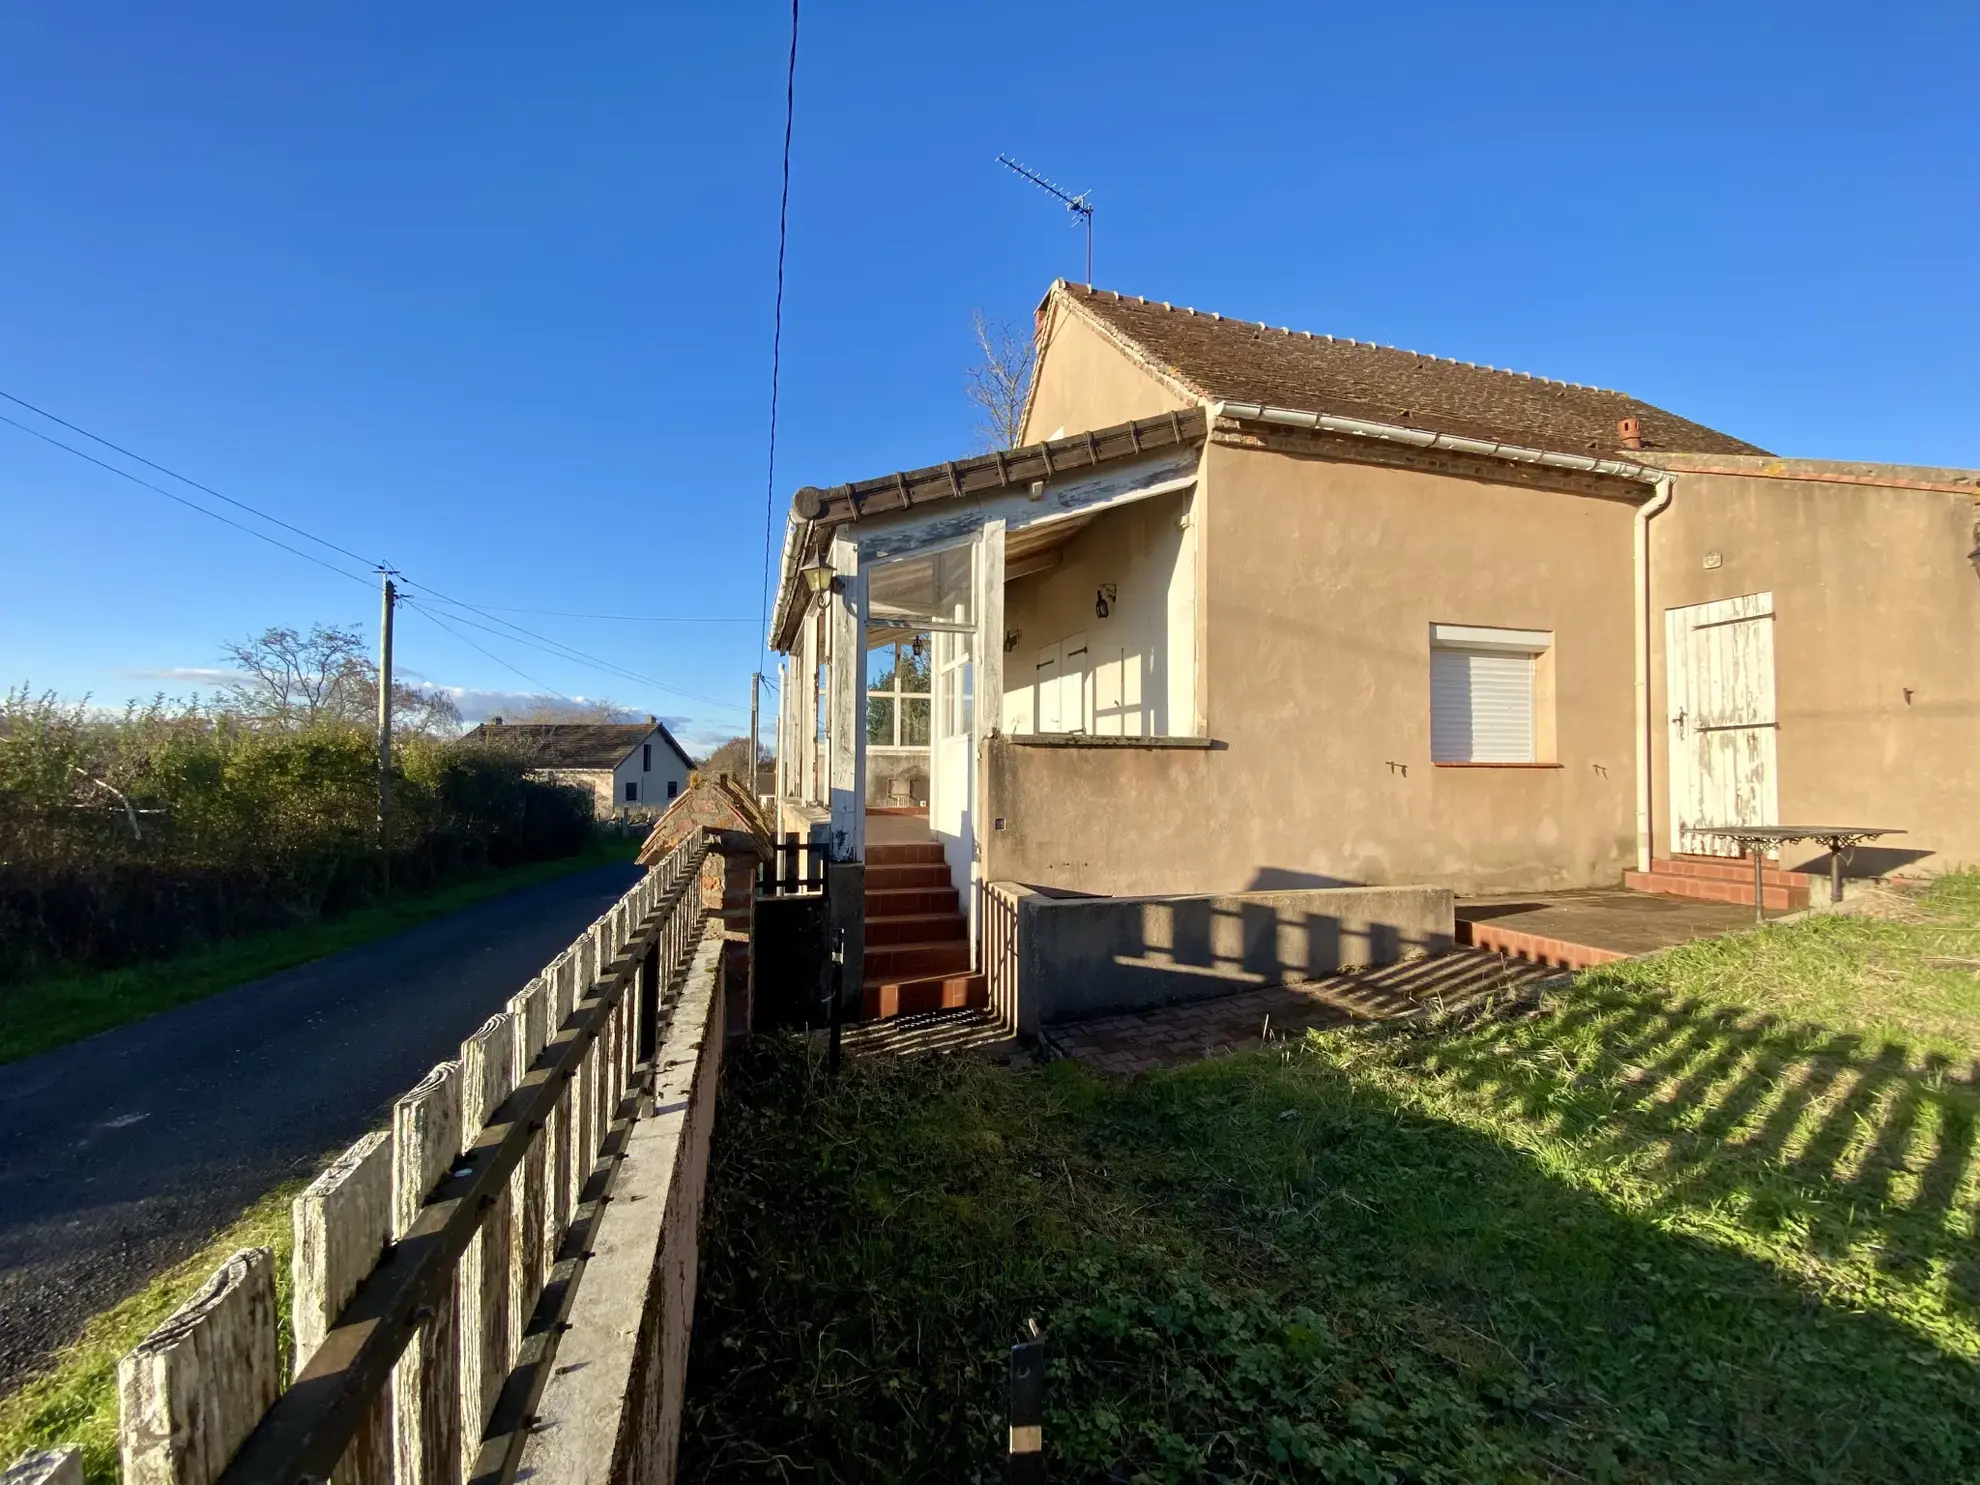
[[486, 291]]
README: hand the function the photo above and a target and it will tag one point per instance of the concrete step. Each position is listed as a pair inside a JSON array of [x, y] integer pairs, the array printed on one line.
[[1730, 869], [912, 961], [1777, 896], [904, 853], [916, 874], [882, 998], [902, 902], [914, 928]]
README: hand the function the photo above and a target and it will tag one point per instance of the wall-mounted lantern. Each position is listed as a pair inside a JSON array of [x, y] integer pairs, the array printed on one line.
[[1104, 600], [819, 579]]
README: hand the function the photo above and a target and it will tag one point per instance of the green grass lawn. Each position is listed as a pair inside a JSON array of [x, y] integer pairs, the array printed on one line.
[[75, 1401], [50, 1012], [1709, 1216]]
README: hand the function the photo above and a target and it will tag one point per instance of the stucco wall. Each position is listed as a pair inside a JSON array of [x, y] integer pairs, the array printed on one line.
[[1087, 956], [667, 768], [1134, 683], [1084, 381], [1873, 594], [1320, 582]]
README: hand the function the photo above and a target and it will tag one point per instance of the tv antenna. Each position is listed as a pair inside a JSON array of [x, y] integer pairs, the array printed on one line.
[[1080, 206]]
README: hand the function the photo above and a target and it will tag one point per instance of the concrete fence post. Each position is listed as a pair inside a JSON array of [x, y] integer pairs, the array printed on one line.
[[342, 1221], [195, 1387], [488, 1076], [426, 1408]]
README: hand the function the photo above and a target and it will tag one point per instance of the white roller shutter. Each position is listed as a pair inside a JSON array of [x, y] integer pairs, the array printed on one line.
[[1481, 706]]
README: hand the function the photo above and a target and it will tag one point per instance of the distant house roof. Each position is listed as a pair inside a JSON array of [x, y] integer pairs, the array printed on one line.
[[1214, 358], [576, 744]]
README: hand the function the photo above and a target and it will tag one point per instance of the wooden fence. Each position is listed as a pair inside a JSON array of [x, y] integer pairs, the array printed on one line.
[[434, 1262]]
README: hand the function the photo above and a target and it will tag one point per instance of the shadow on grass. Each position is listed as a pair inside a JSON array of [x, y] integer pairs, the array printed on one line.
[[1364, 1258]]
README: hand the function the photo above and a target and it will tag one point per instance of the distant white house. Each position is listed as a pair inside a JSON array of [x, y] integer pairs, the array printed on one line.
[[626, 766]]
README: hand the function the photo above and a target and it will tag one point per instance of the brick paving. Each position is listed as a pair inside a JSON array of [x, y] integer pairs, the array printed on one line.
[[1612, 922], [968, 1029], [1169, 1036]]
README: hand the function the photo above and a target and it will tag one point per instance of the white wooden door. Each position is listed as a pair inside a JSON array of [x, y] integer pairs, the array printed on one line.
[[1719, 687], [1075, 684], [1045, 687]]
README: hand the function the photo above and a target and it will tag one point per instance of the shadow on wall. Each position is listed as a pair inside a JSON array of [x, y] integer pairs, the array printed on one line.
[[1285, 879], [1089, 956]]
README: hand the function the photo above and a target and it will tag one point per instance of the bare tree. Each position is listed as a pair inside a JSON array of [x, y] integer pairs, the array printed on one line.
[[560, 709], [999, 383], [732, 758], [293, 680], [297, 680]]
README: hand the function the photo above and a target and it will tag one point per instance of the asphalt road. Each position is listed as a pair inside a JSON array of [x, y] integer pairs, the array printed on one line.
[[121, 1154]]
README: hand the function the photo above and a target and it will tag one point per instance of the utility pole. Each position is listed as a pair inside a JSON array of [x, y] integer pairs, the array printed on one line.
[[755, 690], [389, 596]]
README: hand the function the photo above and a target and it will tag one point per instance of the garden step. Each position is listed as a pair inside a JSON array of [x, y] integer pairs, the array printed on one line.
[[882, 998], [1730, 869], [913, 928], [901, 902], [916, 960], [904, 853], [1776, 895], [916, 874]]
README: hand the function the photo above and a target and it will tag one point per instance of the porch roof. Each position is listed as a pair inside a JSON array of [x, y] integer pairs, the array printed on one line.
[[815, 512]]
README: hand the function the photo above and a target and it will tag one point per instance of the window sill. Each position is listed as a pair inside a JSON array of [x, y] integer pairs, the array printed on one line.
[[1498, 765], [1101, 740]]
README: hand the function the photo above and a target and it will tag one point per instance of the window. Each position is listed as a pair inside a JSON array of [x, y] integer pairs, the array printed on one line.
[[632, 792], [897, 676], [673, 787], [958, 686], [1487, 687], [646, 758]]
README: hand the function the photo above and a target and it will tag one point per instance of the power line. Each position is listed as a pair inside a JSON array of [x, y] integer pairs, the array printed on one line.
[[561, 650], [434, 618], [188, 504], [777, 320], [182, 479], [548, 645], [558, 613]]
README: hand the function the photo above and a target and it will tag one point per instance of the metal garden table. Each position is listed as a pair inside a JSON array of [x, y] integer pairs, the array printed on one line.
[[1756, 839]]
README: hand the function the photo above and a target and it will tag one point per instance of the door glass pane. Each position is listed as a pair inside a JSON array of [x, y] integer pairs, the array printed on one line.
[[914, 669], [914, 722], [880, 668], [935, 585]]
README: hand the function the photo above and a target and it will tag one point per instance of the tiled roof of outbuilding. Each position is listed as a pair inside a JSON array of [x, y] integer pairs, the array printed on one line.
[[1211, 356], [575, 744]]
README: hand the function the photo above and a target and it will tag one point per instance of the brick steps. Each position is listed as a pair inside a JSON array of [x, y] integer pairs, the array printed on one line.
[[913, 928], [1558, 953], [917, 939], [880, 999], [1723, 879]]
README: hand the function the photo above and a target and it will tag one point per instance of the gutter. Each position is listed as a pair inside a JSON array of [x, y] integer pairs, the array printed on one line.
[[1420, 438], [1640, 552]]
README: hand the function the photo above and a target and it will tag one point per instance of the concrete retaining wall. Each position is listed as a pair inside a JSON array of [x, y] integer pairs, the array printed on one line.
[[1082, 956], [611, 1412]]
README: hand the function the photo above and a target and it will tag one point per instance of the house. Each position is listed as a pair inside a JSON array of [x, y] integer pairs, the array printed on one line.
[[626, 766], [1255, 609]]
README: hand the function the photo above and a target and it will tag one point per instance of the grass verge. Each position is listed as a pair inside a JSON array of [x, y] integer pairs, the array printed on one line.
[[75, 1401], [1706, 1217], [47, 1013]]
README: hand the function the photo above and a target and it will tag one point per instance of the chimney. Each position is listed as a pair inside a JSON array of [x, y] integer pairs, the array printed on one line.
[[498, 721], [1630, 431]]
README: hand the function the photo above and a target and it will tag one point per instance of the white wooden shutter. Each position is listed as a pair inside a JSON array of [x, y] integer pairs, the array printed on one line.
[[1481, 706], [1047, 680]]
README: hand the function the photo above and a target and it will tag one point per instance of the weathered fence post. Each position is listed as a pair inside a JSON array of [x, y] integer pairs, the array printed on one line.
[[526, 1188], [343, 1220], [426, 1427], [488, 1074], [196, 1386]]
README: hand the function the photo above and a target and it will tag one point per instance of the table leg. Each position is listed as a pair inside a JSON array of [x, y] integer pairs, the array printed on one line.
[[1835, 873], [1759, 889]]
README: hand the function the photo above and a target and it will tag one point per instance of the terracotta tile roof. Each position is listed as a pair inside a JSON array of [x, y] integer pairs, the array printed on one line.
[[574, 744], [1210, 356]]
